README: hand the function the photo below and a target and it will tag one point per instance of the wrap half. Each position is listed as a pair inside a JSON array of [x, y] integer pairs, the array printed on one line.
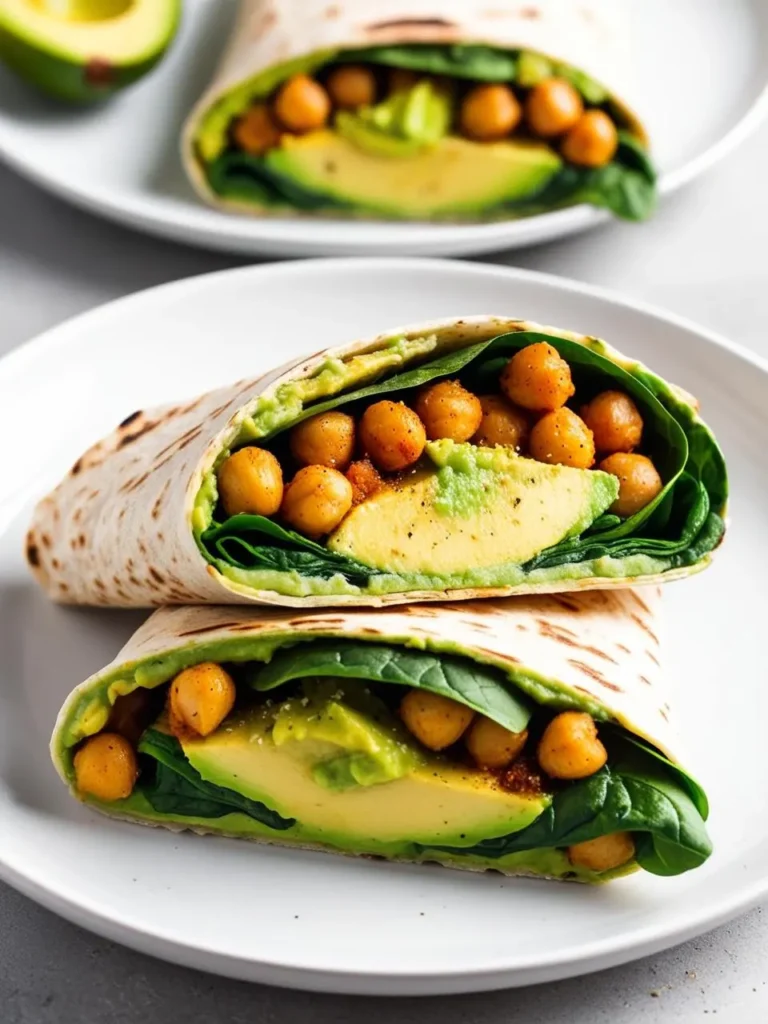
[[530, 735], [445, 111], [421, 464]]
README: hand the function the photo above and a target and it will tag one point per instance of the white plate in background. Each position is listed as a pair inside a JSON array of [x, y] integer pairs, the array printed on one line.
[[332, 923], [702, 73]]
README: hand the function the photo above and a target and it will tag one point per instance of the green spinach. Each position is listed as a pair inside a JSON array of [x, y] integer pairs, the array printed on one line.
[[480, 687], [635, 793], [173, 786]]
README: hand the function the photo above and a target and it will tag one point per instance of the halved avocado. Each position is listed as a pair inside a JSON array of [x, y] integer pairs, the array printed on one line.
[[455, 176], [85, 50]]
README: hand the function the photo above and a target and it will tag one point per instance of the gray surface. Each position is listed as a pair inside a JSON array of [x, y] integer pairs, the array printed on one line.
[[703, 257]]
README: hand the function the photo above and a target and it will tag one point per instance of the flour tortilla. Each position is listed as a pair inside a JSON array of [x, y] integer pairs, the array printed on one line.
[[591, 35], [118, 529], [603, 647]]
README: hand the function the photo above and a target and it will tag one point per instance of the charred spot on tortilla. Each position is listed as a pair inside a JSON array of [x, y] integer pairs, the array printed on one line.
[[129, 419], [77, 466], [33, 553], [594, 674], [405, 23], [156, 576]]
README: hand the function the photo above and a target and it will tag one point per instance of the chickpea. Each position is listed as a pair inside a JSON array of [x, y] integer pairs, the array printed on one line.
[[130, 715], [200, 698], [604, 853], [562, 438], [251, 481], [106, 767], [435, 721], [639, 482], [489, 112], [256, 131], [593, 140], [493, 746], [570, 748], [503, 424], [553, 107], [316, 500], [447, 409], [365, 480], [614, 420], [537, 378], [302, 104], [352, 85], [392, 435], [327, 439]]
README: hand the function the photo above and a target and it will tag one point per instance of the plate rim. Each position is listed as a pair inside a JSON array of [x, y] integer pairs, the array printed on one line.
[[262, 236], [597, 955]]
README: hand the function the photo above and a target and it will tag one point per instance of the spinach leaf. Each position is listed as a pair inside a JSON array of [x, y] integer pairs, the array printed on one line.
[[175, 787], [634, 793], [483, 63], [237, 542], [480, 687]]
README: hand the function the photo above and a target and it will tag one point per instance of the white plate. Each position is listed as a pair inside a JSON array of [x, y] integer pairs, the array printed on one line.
[[316, 921], [702, 74]]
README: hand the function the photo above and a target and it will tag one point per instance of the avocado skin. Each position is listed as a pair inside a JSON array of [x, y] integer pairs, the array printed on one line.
[[73, 81]]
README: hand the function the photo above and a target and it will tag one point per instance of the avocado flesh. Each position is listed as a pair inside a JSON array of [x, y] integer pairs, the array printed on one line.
[[478, 508], [455, 176], [434, 802], [86, 49]]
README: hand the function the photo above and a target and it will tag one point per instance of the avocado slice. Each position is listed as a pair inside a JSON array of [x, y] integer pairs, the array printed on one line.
[[424, 800], [456, 176], [480, 507], [84, 50]]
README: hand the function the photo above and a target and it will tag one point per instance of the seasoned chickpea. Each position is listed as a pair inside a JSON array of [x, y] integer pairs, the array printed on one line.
[[327, 439], [435, 721], [302, 104], [365, 480], [639, 482], [256, 131], [489, 112], [562, 438], [251, 481], [593, 140], [604, 853], [537, 378], [392, 435], [200, 698], [502, 423], [316, 500], [352, 85], [570, 748], [129, 714], [552, 107], [614, 420], [447, 409], [106, 767], [493, 746]]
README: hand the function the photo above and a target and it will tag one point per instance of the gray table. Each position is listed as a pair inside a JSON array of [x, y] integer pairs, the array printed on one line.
[[704, 257]]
